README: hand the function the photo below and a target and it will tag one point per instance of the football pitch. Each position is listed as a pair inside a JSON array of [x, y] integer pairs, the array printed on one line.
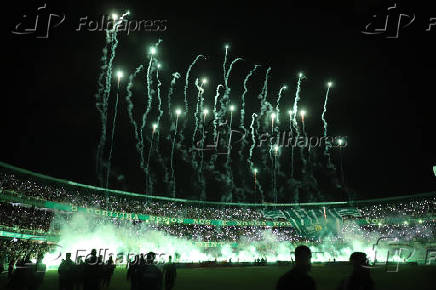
[[327, 276]]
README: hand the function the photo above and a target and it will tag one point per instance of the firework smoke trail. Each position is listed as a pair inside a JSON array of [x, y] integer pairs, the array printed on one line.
[[148, 179], [215, 113], [224, 66], [327, 145], [295, 107], [200, 170], [149, 100], [175, 76], [278, 102], [272, 159], [173, 177], [113, 134], [230, 136], [325, 110], [149, 104], [202, 179], [218, 116], [253, 140], [303, 159], [185, 91], [294, 120], [139, 145], [228, 156], [104, 91], [202, 141], [242, 120], [144, 117], [291, 134], [275, 176], [199, 106], [203, 125], [107, 93], [250, 157], [227, 73], [101, 106], [215, 131], [265, 107], [197, 115], [159, 105]]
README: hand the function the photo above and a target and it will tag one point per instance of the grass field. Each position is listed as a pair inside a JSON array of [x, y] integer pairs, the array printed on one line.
[[264, 277]]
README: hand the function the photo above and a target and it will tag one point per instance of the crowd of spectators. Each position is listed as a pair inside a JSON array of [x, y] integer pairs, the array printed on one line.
[[14, 215], [17, 216], [85, 197]]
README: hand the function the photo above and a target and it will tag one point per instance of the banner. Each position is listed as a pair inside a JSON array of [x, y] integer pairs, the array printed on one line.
[[12, 197]]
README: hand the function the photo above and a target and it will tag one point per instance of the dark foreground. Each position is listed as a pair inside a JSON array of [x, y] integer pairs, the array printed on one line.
[[264, 277]]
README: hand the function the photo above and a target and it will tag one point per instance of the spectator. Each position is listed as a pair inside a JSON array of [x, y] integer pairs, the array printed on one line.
[[149, 276], [66, 273], [108, 271], [170, 274], [360, 278], [297, 278], [92, 272]]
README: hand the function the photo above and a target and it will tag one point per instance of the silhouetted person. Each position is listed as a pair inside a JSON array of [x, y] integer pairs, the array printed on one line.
[[92, 272], [38, 273], [11, 268], [131, 273], [66, 272], [108, 271], [297, 278], [149, 276], [142, 260], [78, 273], [170, 274], [22, 274], [2, 261], [360, 278]]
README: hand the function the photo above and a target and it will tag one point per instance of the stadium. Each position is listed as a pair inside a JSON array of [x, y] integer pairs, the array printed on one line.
[[58, 216], [227, 150]]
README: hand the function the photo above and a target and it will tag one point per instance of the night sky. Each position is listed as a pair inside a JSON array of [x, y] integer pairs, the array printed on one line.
[[382, 99]]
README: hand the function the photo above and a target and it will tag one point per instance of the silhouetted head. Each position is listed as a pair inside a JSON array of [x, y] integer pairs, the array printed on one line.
[[303, 257], [170, 259], [68, 256], [358, 259], [150, 257], [93, 252]]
